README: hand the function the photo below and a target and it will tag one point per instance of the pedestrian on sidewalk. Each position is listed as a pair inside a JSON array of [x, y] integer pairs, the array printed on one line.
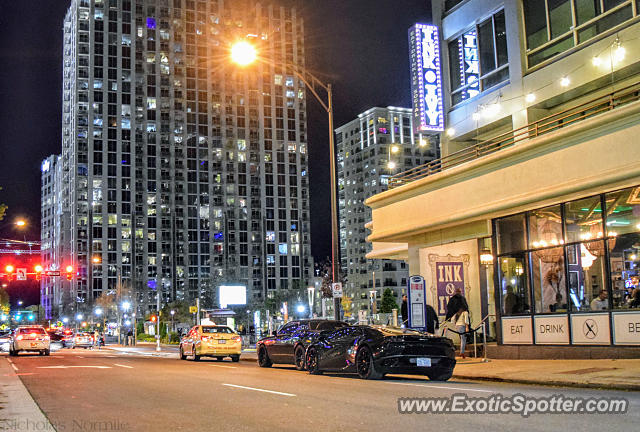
[[456, 302], [130, 337], [404, 311], [461, 320]]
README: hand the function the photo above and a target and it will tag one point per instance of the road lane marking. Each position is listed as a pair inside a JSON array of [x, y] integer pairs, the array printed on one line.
[[259, 390], [67, 367], [222, 366], [442, 387], [124, 366], [15, 368]]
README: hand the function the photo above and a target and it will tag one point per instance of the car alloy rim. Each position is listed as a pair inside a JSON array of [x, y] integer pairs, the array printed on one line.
[[311, 360], [363, 362]]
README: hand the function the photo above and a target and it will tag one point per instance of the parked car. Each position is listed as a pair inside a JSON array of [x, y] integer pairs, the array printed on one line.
[[212, 341], [30, 338], [289, 343], [5, 340], [83, 340], [373, 351]]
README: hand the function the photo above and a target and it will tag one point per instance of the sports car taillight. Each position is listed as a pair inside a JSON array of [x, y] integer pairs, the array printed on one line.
[[237, 338], [204, 338]]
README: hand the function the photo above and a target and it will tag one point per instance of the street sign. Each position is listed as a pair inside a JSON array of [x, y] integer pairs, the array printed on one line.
[[52, 272], [336, 288], [417, 303], [193, 309], [21, 274]]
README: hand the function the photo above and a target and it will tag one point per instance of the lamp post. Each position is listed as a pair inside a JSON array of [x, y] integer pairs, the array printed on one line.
[[244, 54], [310, 296]]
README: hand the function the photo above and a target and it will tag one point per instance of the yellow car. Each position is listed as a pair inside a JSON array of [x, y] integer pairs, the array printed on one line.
[[212, 341]]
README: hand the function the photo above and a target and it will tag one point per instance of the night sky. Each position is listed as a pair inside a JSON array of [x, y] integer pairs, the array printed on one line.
[[360, 46]]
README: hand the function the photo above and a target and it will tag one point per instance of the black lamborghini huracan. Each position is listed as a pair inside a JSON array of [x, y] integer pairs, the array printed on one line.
[[373, 351]]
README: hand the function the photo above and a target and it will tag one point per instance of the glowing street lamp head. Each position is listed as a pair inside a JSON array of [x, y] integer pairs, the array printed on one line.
[[243, 53], [126, 305], [98, 311], [20, 223], [9, 268], [38, 268], [391, 165], [69, 269]]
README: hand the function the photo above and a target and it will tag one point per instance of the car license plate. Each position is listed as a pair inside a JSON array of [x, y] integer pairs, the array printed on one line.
[[222, 341], [423, 361]]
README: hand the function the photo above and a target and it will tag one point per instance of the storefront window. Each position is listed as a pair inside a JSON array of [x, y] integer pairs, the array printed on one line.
[[623, 211], [624, 255], [586, 270], [548, 280], [583, 220], [545, 227], [511, 234], [514, 287]]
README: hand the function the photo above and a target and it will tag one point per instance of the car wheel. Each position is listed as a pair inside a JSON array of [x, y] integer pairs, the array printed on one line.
[[365, 365], [196, 357], [440, 375], [312, 362], [235, 358], [182, 356], [73, 347], [219, 358], [263, 358], [298, 355], [12, 353], [47, 352]]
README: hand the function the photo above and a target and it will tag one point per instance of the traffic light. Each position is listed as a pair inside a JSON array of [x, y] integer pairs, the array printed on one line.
[[69, 270], [9, 269], [38, 268], [154, 318]]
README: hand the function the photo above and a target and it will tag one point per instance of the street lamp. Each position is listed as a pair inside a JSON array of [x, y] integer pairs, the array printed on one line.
[[243, 54], [173, 328]]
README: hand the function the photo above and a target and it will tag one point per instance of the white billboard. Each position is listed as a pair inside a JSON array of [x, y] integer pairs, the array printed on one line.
[[232, 295]]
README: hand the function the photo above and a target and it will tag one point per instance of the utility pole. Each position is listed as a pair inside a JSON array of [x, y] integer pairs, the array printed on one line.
[[158, 320]]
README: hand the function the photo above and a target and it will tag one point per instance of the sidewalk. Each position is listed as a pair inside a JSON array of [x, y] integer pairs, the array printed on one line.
[[19, 411], [612, 374]]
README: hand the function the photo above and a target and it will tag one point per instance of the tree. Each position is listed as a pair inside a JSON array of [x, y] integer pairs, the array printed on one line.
[[4, 301], [388, 302], [3, 208], [325, 271]]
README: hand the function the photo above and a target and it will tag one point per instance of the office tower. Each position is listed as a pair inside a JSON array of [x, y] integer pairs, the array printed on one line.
[[379, 143], [181, 171]]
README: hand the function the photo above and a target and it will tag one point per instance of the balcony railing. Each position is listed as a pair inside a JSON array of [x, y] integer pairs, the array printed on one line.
[[545, 125]]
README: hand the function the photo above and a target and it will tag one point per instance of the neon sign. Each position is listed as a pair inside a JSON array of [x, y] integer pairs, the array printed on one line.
[[426, 81], [469, 64]]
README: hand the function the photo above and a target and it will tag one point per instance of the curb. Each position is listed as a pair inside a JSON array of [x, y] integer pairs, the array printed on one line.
[[552, 383]]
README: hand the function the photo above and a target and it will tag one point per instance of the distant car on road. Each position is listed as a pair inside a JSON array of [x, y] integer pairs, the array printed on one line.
[[373, 351], [83, 340], [30, 338], [212, 341], [290, 342]]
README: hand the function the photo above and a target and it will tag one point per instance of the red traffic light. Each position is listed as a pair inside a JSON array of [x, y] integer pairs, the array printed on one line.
[[69, 269], [153, 318]]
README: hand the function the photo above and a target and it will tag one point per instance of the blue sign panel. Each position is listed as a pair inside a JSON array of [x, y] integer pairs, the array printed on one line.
[[426, 80]]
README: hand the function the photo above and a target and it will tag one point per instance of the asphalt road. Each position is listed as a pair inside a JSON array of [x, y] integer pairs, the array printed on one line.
[[83, 390]]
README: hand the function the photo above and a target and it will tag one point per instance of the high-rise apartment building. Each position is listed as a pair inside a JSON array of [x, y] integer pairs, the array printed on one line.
[[379, 143], [181, 171]]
